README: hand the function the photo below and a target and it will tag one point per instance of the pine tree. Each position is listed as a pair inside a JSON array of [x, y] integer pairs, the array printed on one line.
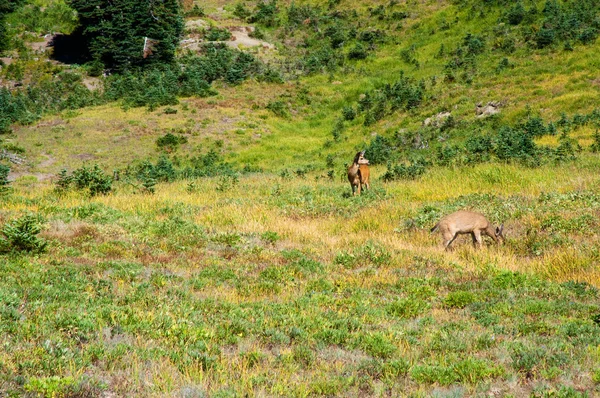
[[6, 7], [115, 31]]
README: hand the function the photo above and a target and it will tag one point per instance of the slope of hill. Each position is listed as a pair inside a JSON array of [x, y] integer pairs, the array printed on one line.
[[228, 258]]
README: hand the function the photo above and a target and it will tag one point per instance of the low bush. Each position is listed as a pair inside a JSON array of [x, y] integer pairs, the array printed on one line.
[[20, 235], [404, 94], [217, 34], [403, 171], [516, 144], [379, 151], [170, 142], [90, 179], [4, 182]]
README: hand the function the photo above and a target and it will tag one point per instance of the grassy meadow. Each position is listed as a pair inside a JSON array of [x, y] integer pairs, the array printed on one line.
[[269, 278], [289, 286]]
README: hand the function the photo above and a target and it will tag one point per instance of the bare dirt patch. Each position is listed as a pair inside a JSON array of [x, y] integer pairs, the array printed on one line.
[[13, 176], [43, 45], [240, 37], [84, 156], [48, 162]]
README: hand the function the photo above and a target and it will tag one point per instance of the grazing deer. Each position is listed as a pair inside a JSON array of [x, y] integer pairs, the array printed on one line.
[[467, 222], [354, 172]]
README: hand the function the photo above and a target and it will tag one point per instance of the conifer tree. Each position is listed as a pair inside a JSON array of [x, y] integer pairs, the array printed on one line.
[[116, 31], [6, 7]]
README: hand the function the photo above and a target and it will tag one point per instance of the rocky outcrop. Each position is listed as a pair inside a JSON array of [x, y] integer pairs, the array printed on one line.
[[437, 120], [491, 108]]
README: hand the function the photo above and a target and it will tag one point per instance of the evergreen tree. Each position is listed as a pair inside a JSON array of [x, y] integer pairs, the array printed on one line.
[[115, 31], [6, 7]]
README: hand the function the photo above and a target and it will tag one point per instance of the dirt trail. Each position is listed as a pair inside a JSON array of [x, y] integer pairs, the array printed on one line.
[[240, 37]]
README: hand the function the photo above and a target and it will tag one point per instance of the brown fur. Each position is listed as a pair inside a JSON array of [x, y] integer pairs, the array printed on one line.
[[354, 173], [468, 222], [364, 173]]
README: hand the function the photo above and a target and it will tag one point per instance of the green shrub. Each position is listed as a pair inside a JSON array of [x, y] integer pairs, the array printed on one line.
[[407, 308], [20, 235], [226, 182], [217, 34], [379, 151], [595, 147], [446, 155], [359, 51], [478, 149], [464, 371], [534, 126], [195, 12], [566, 149], [25, 106], [323, 58], [348, 113], [404, 94], [279, 108], [371, 36], [258, 34], [64, 180], [459, 299], [90, 179], [6, 8], [241, 11], [516, 13], [516, 144], [191, 76], [265, 13], [4, 182], [377, 345], [170, 142], [403, 171]]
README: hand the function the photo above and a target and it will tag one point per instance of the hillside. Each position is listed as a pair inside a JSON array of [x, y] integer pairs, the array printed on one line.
[[187, 228]]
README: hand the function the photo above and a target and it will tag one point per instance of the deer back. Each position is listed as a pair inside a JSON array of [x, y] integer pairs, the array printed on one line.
[[465, 221]]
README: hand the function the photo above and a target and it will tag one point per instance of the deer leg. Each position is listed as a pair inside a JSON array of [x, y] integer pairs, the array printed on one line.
[[448, 239], [474, 239], [477, 238], [358, 188]]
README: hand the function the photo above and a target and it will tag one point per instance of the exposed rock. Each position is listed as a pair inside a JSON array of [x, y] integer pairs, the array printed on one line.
[[437, 120], [491, 108], [197, 23], [419, 143]]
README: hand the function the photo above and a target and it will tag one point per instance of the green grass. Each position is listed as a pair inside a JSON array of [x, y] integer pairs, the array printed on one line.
[[236, 292], [279, 282]]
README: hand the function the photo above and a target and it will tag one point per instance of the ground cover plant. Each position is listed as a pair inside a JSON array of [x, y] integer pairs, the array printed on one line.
[[199, 296], [186, 228]]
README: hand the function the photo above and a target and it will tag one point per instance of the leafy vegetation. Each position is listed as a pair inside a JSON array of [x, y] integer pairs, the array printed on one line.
[[116, 33], [89, 179], [211, 247]]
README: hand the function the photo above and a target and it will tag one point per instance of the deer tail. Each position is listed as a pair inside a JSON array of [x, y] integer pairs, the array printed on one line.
[[434, 228]]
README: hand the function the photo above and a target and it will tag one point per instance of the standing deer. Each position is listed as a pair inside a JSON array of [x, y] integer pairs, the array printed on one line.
[[364, 173], [354, 172], [467, 222]]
